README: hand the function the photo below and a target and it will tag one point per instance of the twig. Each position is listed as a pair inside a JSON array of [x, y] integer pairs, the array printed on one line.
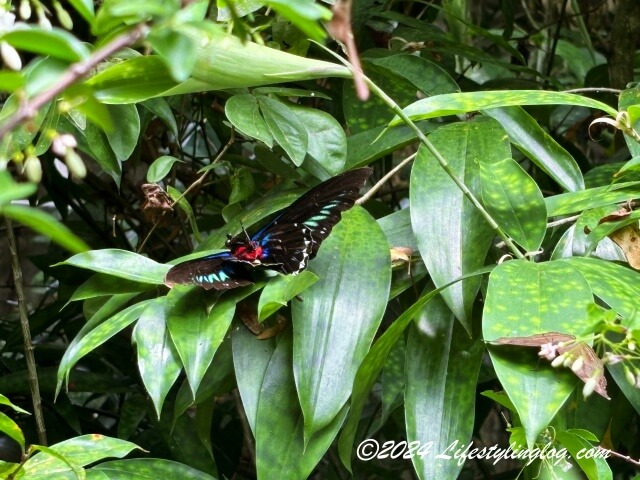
[[29, 108], [364, 198], [26, 334]]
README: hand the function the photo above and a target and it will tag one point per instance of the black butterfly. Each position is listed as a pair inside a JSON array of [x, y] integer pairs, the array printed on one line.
[[285, 244]]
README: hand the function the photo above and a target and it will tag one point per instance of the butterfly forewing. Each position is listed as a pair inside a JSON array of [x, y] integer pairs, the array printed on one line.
[[316, 212]]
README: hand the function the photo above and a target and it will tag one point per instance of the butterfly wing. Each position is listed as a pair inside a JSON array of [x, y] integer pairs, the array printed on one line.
[[218, 271], [295, 235]]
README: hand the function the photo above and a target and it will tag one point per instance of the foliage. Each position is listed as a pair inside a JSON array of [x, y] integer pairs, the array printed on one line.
[[523, 230]]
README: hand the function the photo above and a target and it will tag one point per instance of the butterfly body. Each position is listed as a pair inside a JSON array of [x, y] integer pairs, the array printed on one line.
[[285, 244]]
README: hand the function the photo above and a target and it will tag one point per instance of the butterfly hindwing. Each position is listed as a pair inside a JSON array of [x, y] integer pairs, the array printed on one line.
[[218, 271]]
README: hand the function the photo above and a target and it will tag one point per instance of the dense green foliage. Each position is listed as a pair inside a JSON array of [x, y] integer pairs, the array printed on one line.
[[484, 295]]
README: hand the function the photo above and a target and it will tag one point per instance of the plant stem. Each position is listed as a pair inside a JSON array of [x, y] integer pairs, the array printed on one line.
[[29, 108], [445, 166], [26, 334]]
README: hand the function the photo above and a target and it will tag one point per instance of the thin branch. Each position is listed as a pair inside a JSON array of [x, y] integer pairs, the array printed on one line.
[[384, 179], [75, 72], [26, 334]]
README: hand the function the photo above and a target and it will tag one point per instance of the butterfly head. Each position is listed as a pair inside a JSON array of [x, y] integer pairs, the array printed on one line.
[[245, 249]]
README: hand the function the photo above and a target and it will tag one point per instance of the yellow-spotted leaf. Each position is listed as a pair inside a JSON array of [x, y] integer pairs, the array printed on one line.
[[514, 200], [524, 299]]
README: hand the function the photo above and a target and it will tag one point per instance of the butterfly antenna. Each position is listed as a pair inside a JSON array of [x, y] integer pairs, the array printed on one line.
[[245, 232]]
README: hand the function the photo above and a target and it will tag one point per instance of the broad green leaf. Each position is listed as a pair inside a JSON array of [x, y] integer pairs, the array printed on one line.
[[120, 263], [242, 185], [553, 297], [196, 333], [102, 284], [426, 75], [99, 335], [281, 451], [251, 358], [243, 111], [453, 237], [160, 168], [11, 429], [124, 139], [515, 202], [7, 403], [441, 374], [337, 319], [631, 393], [97, 146], [84, 8], [158, 361], [572, 202], [367, 146], [11, 190], [577, 445], [280, 290], [532, 140], [618, 286], [82, 450], [374, 362], [161, 109], [176, 49], [145, 469], [286, 128], [46, 225], [457, 103], [22, 136], [304, 14], [11, 81], [327, 142], [56, 43]]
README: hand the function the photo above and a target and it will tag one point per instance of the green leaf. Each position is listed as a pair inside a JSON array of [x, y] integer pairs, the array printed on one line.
[[618, 286], [185, 206], [12, 430], [11, 81], [441, 374], [158, 361], [124, 139], [160, 168], [99, 335], [46, 225], [304, 14], [577, 445], [374, 362], [6, 402], [286, 128], [242, 185], [81, 451], [56, 43], [102, 284], [280, 290], [243, 111], [532, 140], [554, 298], [161, 109], [176, 49], [121, 263], [572, 202], [338, 316], [457, 103], [196, 333], [453, 237], [281, 451], [515, 202], [97, 146], [251, 358], [85, 9], [11, 190], [145, 469]]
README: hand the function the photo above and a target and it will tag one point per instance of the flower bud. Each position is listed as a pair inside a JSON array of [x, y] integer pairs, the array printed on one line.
[[63, 16], [10, 56], [25, 9], [33, 168], [559, 360], [578, 364], [589, 387], [75, 164], [629, 376]]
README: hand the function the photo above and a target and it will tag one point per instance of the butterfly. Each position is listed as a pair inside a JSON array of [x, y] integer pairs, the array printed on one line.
[[285, 244]]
